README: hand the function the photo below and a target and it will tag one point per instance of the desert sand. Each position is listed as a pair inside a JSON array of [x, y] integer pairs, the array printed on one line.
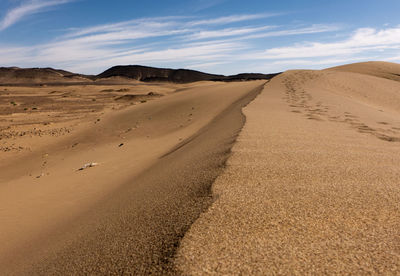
[[127, 177], [312, 186], [117, 180]]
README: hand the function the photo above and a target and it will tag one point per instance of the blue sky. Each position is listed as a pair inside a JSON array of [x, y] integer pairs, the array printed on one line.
[[221, 36]]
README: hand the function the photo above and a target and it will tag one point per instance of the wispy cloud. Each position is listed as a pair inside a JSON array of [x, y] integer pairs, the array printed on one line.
[[363, 44], [361, 41], [25, 9], [168, 22], [200, 5], [151, 41], [189, 41], [298, 31], [154, 23], [226, 32], [232, 19], [206, 65]]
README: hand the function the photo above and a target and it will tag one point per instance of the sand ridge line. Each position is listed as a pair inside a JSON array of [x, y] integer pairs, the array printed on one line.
[[255, 91]]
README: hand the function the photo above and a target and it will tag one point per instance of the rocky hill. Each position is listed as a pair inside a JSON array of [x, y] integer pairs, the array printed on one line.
[[15, 75], [148, 74]]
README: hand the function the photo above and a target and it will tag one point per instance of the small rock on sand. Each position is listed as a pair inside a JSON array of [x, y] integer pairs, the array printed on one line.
[[88, 165]]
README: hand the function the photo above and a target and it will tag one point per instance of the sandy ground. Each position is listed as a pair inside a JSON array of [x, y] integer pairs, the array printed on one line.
[[312, 186], [156, 156], [29, 112]]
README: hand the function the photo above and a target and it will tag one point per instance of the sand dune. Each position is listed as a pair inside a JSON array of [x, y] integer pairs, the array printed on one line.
[[111, 177], [380, 69], [312, 186], [48, 204]]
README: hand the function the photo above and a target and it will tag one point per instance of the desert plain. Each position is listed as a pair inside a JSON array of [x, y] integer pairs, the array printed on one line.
[[294, 174]]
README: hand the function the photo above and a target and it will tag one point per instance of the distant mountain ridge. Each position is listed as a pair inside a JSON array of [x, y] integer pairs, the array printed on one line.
[[127, 73], [38, 75], [15, 75], [148, 74]]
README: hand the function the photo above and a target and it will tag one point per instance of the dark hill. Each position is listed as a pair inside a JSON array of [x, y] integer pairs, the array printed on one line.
[[148, 74], [249, 76], [15, 75], [36, 76]]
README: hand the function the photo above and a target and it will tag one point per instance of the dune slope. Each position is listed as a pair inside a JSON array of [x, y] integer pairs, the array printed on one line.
[[380, 69], [155, 164], [312, 186]]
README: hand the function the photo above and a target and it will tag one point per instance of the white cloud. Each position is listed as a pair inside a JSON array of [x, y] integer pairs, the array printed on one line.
[[393, 59], [95, 47], [205, 4], [170, 56], [164, 23], [206, 65], [318, 62], [148, 24], [361, 41], [232, 19], [297, 31], [180, 42], [225, 32], [25, 9]]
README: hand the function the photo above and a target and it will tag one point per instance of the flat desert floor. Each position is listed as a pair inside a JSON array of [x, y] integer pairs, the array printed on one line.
[[174, 179]]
